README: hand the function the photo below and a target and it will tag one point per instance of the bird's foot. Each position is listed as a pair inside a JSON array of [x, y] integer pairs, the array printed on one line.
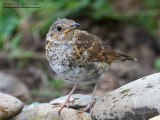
[[88, 107], [65, 104]]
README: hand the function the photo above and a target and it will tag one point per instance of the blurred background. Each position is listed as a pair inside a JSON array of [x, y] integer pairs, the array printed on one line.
[[129, 26]]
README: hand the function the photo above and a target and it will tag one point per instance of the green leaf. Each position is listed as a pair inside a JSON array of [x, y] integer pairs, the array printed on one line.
[[18, 52], [157, 64], [14, 53], [56, 83], [21, 64], [27, 53], [16, 40]]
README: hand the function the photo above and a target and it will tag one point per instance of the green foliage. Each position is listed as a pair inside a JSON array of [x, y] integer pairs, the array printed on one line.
[[157, 64], [18, 53], [30, 101], [56, 83], [16, 40], [148, 16], [152, 5]]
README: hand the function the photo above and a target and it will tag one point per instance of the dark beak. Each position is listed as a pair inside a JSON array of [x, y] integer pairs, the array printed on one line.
[[75, 25]]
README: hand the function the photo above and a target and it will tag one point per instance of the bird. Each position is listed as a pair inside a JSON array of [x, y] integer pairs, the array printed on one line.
[[78, 57]]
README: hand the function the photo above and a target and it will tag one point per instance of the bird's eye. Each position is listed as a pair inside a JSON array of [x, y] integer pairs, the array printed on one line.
[[59, 28]]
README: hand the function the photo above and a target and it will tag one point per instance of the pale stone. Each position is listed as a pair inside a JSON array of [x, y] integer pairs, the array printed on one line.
[[138, 100], [9, 106], [155, 118], [80, 100], [50, 112]]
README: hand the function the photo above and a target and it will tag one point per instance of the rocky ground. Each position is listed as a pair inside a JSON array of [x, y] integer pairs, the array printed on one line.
[[138, 100]]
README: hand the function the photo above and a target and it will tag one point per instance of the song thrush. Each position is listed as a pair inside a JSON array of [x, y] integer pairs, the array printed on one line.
[[77, 56]]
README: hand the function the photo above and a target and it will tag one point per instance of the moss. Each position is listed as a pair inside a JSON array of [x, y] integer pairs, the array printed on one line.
[[113, 97], [125, 91], [149, 86], [143, 78], [131, 94]]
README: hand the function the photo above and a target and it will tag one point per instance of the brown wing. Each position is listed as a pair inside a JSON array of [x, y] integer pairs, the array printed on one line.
[[95, 49]]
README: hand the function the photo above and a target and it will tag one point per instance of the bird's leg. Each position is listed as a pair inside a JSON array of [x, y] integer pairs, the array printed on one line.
[[70, 101], [90, 104], [67, 100]]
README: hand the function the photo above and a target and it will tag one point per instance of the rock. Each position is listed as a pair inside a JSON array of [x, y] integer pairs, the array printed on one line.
[[9, 106], [79, 100], [11, 85], [155, 118], [138, 100], [46, 111]]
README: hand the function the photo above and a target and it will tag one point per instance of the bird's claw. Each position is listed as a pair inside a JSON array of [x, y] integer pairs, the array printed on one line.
[[72, 101], [88, 107], [66, 103]]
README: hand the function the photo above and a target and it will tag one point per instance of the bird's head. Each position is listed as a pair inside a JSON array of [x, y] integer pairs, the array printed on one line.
[[61, 30]]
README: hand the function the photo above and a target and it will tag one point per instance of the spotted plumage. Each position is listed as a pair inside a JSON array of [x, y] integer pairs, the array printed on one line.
[[77, 56]]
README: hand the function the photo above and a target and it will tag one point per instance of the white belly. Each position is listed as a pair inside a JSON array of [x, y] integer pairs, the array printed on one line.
[[88, 73], [81, 75]]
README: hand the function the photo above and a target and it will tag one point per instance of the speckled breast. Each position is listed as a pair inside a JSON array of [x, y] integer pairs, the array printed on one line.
[[73, 68]]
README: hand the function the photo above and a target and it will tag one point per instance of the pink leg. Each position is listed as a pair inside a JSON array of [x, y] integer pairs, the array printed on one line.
[[90, 104], [67, 100]]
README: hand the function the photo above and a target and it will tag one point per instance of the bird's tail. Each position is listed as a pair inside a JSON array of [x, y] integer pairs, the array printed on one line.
[[124, 57]]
